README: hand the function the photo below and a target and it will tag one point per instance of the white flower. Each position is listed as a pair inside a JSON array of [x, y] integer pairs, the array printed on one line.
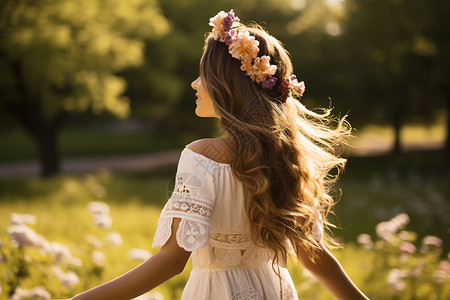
[[76, 262], [58, 251], [68, 279], [103, 221], [94, 241], [114, 238], [25, 236], [98, 208], [21, 219], [139, 254], [35, 293], [395, 279], [430, 242], [386, 230], [400, 221], [365, 240], [98, 258]]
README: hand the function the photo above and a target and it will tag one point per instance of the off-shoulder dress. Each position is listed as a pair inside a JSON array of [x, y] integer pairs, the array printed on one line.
[[226, 265]]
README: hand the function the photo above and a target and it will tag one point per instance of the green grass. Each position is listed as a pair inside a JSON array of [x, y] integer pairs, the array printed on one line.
[[374, 190]]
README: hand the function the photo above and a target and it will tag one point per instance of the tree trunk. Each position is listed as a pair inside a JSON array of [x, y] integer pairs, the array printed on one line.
[[47, 144], [44, 130]]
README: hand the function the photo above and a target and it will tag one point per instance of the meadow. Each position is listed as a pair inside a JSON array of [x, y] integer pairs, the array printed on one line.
[[62, 235], [70, 233]]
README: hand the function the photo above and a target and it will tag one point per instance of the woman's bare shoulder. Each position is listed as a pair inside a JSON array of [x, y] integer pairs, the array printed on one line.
[[218, 149]]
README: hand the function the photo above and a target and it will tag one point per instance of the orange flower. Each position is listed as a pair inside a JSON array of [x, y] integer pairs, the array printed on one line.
[[246, 65], [244, 46], [262, 69]]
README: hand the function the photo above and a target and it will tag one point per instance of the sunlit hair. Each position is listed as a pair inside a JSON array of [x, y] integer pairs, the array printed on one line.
[[284, 152]]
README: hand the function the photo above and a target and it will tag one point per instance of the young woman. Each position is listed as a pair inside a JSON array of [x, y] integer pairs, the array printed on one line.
[[245, 202]]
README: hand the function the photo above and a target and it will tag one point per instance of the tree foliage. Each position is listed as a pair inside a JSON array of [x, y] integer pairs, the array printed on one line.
[[62, 56]]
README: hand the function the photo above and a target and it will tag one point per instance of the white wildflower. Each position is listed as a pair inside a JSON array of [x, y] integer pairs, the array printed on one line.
[[400, 221], [98, 208], [139, 254], [58, 251], [94, 241], [114, 238], [67, 279], [76, 262], [395, 279], [22, 219], [430, 242], [35, 293], [25, 236], [103, 221], [385, 230], [365, 240], [98, 258]]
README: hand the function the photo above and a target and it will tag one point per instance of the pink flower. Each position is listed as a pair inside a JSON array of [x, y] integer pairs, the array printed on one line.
[[299, 87], [230, 37], [407, 247], [244, 46], [292, 84], [262, 69]]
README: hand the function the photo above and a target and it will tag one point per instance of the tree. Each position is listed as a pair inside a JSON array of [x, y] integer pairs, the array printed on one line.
[[392, 61], [61, 56]]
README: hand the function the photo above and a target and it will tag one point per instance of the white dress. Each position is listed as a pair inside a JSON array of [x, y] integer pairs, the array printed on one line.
[[226, 265]]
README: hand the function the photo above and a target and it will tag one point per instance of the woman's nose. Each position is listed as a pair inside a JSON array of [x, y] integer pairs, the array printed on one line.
[[194, 83]]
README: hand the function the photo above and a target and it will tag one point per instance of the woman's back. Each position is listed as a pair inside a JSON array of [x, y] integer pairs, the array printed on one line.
[[211, 204]]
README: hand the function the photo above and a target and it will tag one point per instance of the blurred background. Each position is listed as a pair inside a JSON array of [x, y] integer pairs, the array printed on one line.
[[96, 105]]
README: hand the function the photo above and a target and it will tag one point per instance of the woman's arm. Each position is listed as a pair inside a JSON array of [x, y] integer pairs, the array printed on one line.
[[168, 262], [330, 273]]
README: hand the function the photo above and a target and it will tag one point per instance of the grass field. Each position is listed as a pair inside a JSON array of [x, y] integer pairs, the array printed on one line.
[[374, 189]]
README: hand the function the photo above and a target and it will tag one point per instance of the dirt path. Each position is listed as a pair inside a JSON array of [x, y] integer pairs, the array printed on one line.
[[131, 163]]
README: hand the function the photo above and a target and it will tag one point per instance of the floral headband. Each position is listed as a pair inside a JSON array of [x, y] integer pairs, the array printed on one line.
[[243, 46]]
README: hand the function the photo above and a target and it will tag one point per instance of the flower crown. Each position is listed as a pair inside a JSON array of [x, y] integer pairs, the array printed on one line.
[[243, 46]]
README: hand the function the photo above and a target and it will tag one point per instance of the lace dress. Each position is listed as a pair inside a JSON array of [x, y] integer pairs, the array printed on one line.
[[226, 265]]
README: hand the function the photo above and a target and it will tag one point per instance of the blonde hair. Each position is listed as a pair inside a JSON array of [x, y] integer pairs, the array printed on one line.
[[284, 152]]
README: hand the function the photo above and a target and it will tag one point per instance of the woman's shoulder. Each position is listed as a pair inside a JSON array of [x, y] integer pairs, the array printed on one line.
[[220, 150]]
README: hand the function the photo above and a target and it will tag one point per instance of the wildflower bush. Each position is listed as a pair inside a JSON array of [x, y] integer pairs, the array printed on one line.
[[65, 235], [402, 267]]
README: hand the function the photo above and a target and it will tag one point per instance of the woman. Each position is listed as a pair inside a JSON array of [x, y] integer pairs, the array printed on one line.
[[245, 202]]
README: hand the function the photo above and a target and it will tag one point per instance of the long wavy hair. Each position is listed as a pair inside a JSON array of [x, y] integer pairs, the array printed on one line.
[[284, 152]]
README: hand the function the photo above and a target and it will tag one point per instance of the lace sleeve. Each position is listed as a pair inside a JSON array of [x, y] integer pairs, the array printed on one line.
[[191, 203]]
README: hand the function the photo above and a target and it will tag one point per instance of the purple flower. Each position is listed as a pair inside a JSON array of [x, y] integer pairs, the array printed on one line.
[[229, 20], [269, 83], [230, 36]]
